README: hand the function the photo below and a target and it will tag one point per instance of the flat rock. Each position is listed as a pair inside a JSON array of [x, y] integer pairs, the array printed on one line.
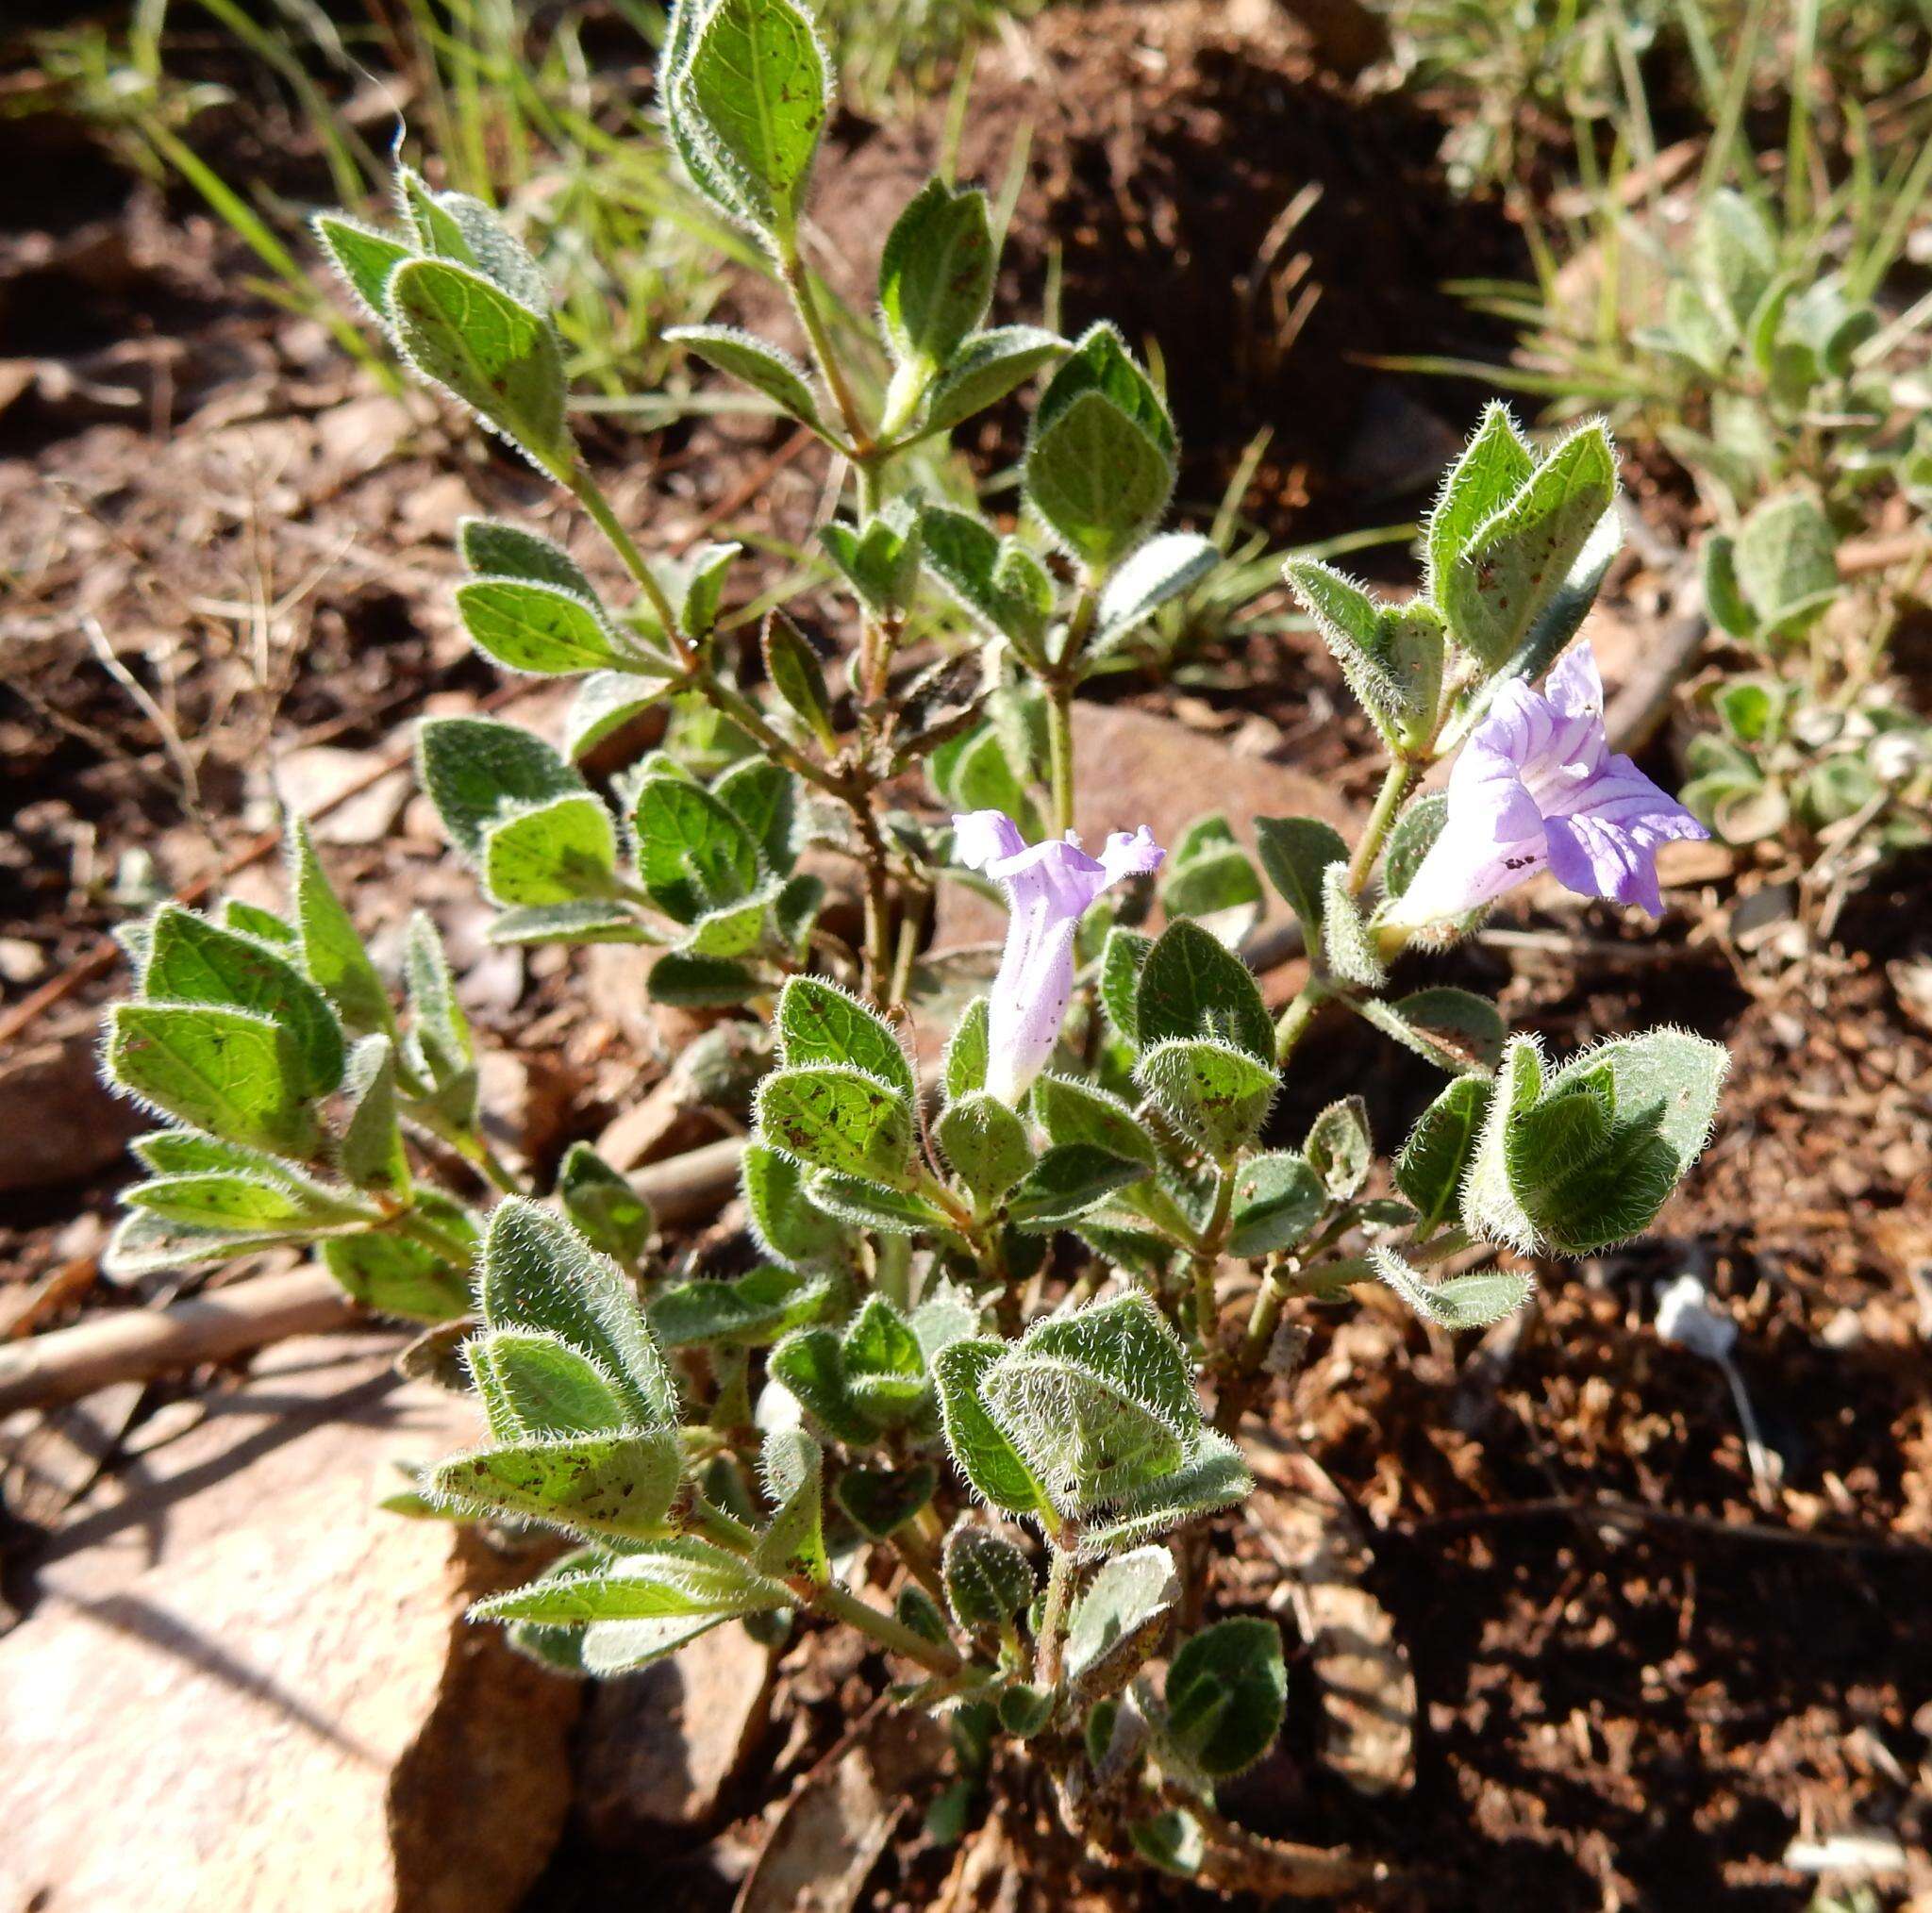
[[243, 1683], [315, 776], [58, 1122], [658, 1747]]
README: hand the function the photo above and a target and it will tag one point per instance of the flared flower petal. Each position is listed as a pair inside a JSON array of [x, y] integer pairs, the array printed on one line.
[[1049, 888], [1537, 788]]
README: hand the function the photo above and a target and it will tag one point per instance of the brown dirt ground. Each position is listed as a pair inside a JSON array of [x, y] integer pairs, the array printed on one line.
[[1645, 1714]]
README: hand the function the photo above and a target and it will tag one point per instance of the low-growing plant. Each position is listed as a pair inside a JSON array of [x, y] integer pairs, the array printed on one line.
[[980, 1395]]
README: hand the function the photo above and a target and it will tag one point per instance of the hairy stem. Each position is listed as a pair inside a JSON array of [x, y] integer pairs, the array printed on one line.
[[1297, 1018], [589, 494], [1058, 685], [1207, 1258], [418, 1229], [1395, 783], [1059, 750], [1053, 1622], [792, 269], [727, 1532], [887, 1630]]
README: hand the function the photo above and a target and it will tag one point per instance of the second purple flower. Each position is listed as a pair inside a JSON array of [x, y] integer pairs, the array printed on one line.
[[1049, 888]]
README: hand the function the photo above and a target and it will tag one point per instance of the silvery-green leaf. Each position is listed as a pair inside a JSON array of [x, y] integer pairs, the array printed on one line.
[[797, 676], [983, 371], [1294, 852], [539, 1274], [988, 1579], [399, 1275], [1101, 455], [881, 561], [936, 273], [811, 1364], [1430, 1170], [763, 367], [363, 256], [1069, 1180], [604, 703], [619, 1484], [985, 1143], [533, 1384], [1087, 1439], [867, 1204], [1226, 1689], [837, 1118], [819, 1023], [979, 1448], [1339, 1147], [603, 1204], [1160, 571], [246, 1201], [1412, 838], [557, 852], [1347, 944], [1072, 1112], [249, 920], [1734, 253], [666, 1579], [1462, 1302], [461, 227], [745, 1311], [1221, 881], [750, 91], [1170, 1840], [144, 1243], [231, 1072], [491, 549], [586, 920], [793, 1547], [1586, 1156], [791, 1229], [704, 589], [734, 930], [996, 582], [1192, 986], [1455, 1029], [1024, 1711], [984, 778], [1494, 467], [499, 357], [964, 1068], [540, 629], [1216, 1093], [1350, 623], [690, 981], [880, 1500], [1278, 1199], [693, 855], [1211, 1476], [475, 769], [1518, 562], [1785, 560], [370, 1151], [332, 951], [1120, 1619], [1127, 1341], [191, 961]]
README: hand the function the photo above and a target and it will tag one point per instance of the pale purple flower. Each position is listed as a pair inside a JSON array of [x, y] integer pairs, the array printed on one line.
[[1049, 888], [1539, 788]]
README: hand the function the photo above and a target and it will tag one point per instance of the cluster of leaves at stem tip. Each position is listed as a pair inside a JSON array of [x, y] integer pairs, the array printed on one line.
[[988, 1301]]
